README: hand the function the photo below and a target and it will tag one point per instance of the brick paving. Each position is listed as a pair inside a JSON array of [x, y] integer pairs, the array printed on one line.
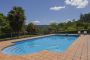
[[78, 50]]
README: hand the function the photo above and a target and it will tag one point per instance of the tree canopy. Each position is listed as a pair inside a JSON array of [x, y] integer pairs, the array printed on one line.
[[61, 24], [16, 18], [4, 24], [53, 24], [31, 28], [85, 17]]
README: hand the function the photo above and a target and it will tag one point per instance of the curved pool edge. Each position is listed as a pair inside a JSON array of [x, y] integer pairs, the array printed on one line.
[[9, 43]]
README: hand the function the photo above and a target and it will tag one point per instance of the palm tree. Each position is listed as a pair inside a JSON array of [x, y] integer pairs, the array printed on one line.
[[16, 18]]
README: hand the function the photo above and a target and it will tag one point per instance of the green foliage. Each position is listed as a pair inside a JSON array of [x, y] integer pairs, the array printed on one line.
[[0, 31], [31, 28], [61, 24], [61, 30], [38, 30], [41, 30], [4, 24], [82, 29], [71, 29], [69, 24], [51, 28], [53, 24], [23, 28], [85, 25], [79, 24], [16, 18], [85, 17], [35, 29]]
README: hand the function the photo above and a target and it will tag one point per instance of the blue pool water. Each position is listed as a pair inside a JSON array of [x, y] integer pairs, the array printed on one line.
[[54, 43]]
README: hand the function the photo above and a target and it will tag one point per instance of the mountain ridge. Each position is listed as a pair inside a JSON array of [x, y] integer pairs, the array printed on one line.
[[42, 26]]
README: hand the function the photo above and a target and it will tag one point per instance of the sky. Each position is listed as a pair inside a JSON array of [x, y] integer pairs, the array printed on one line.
[[44, 12]]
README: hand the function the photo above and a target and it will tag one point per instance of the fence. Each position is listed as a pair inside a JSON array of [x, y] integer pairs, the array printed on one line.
[[10, 36], [74, 32]]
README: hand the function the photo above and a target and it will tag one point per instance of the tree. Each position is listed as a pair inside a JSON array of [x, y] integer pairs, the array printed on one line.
[[23, 29], [88, 18], [51, 28], [16, 18], [54, 25], [38, 30], [85, 17], [31, 28], [79, 24], [70, 29], [73, 21], [61, 24], [81, 17], [85, 25], [4, 24], [35, 29], [69, 24]]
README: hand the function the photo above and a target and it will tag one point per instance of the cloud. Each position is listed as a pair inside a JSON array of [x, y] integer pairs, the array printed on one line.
[[44, 20], [68, 19], [53, 21], [36, 21], [57, 8], [78, 3]]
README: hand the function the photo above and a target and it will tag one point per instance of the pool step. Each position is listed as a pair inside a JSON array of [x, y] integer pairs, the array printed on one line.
[[8, 48], [13, 50]]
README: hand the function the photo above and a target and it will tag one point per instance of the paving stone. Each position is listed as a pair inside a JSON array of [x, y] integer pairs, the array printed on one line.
[[24, 56], [32, 59], [46, 59], [62, 57], [76, 58], [1, 58], [18, 56], [49, 57], [68, 59], [53, 58], [56, 56], [40, 58], [76, 50], [8, 59]]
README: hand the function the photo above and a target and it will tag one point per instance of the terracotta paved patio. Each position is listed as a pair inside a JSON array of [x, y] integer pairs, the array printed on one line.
[[78, 50]]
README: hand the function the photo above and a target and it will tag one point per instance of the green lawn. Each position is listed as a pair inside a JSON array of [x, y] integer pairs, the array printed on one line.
[[23, 36]]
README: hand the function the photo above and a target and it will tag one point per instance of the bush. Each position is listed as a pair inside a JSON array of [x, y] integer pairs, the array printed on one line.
[[71, 29], [0, 31], [83, 29], [61, 30]]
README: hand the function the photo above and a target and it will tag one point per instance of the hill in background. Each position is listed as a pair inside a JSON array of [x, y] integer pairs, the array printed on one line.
[[42, 26]]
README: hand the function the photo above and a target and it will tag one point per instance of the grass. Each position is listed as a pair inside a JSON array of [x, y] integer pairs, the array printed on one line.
[[22, 36]]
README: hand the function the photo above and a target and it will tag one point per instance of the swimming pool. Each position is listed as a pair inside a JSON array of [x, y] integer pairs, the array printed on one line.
[[54, 43]]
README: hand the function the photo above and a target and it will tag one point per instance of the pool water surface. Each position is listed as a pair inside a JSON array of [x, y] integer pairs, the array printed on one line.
[[54, 43]]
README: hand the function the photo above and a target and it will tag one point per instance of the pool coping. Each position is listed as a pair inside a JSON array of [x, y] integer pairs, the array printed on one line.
[[13, 57]]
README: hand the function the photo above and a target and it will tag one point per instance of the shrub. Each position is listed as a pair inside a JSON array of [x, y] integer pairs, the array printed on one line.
[[71, 29]]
